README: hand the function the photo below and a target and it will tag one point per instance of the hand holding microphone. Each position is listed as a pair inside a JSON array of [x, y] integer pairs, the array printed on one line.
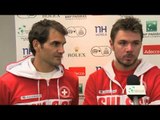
[[134, 90]]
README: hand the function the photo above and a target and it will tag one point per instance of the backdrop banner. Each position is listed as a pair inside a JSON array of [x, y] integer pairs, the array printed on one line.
[[87, 47]]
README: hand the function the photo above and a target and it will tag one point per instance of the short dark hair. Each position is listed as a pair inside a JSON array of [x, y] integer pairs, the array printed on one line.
[[40, 31], [128, 23]]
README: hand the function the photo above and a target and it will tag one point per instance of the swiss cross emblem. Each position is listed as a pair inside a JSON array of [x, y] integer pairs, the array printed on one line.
[[64, 92]]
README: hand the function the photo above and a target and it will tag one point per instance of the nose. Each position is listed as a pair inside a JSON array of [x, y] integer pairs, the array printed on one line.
[[61, 49], [129, 48]]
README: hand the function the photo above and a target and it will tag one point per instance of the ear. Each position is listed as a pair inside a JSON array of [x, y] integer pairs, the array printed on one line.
[[36, 44], [111, 43]]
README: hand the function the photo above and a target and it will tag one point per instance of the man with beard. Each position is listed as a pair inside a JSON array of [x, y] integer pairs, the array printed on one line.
[[107, 86]]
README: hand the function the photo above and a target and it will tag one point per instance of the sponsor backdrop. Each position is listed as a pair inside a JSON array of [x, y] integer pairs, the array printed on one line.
[[87, 47]]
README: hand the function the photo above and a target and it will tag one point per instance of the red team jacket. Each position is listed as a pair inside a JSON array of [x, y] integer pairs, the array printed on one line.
[[104, 88], [22, 85]]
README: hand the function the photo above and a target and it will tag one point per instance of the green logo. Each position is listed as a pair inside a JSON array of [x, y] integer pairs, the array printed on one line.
[[21, 30], [131, 89], [151, 26], [80, 88]]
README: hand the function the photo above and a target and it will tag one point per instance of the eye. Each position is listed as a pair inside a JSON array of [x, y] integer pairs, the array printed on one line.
[[123, 43], [137, 42], [56, 43]]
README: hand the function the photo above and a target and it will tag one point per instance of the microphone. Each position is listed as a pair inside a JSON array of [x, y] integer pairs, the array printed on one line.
[[134, 90]]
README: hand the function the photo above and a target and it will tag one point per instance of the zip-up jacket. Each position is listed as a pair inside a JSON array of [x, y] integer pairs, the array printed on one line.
[[107, 86], [22, 85]]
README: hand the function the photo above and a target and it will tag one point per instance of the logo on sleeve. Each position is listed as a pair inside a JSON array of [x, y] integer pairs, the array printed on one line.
[[26, 97]]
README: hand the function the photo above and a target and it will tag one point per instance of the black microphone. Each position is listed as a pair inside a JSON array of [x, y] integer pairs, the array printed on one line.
[[134, 90]]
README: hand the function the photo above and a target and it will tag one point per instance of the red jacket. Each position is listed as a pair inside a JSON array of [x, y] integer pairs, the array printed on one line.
[[24, 86], [107, 86]]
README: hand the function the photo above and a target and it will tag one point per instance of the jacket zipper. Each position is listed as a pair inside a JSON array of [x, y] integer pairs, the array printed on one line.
[[48, 92]]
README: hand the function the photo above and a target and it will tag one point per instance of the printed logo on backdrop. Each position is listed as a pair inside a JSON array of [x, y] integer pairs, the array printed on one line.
[[26, 16], [26, 52], [22, 33], [75, 17], [151, 29], [22, 30], [50, 16], [64, 92], [76, 53], [151, 49], [80, 88], [101, 30], [151, 26], [101, 51], [76, 31], [79, 71]]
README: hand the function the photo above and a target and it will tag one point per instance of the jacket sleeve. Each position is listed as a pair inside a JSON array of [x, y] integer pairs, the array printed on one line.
[[4, 93], [76, 92], [90, 92], [154, 88]]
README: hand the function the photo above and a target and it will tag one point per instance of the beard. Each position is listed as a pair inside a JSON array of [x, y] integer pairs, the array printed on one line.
[[127, 65]]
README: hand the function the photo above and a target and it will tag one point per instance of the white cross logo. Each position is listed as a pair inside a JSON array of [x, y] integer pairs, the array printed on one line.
[[64, 92]]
